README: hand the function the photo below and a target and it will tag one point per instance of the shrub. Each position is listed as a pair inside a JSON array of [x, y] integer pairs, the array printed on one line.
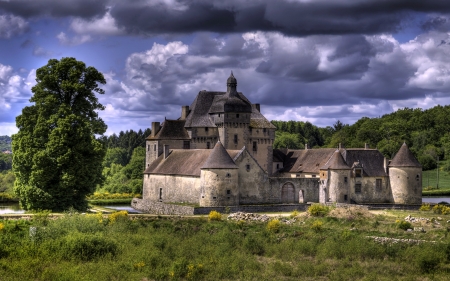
[[88, 247], [425, 207], [273, 225], [214, 216], [318, 210], [294, 214], [1, 226], [441, 209], [317, 226], [404, 225], [117, 216]]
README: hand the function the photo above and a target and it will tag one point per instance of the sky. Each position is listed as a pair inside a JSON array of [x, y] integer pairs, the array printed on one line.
[[305, 60]]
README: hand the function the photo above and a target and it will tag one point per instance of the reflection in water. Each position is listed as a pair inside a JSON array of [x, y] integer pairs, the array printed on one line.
[[10, 208]]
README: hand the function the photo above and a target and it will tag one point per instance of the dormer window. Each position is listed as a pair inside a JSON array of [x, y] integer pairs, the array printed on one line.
[[358, 173], [206, 129]]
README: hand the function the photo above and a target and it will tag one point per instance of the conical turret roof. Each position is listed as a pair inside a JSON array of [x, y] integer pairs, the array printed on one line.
[[219, 159], [336, 162], [404, 158]]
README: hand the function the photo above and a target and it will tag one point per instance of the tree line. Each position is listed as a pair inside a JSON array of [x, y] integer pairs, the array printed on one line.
[[426, 132]]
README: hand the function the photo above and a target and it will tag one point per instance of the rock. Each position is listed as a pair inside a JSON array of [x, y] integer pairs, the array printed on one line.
[[419, 229]]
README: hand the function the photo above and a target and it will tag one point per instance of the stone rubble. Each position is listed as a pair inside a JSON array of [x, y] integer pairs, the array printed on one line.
[[411, 219], [387, 240], [241, 216]]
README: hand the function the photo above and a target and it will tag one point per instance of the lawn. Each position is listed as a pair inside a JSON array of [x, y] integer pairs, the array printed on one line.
[[429, 179], [338, 245]]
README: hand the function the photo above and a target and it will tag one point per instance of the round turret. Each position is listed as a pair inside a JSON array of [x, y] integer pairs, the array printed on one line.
[[405, 176], [219, 179], [334, 179]]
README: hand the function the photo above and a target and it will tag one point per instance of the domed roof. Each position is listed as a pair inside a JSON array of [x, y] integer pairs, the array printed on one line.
[[231, 79]]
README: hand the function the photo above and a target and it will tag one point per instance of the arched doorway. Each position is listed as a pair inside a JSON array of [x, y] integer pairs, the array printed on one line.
[[287, 193]]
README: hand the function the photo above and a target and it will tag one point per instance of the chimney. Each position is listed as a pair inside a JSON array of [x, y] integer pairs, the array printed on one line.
[[166, 151], [386, 165], [306, 146], [258, 107], [184, 112], [155, 128], [366, 146]]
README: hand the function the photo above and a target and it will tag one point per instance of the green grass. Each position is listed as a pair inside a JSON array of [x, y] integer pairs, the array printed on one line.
[[93, 247], [429, 178], [126, 201]]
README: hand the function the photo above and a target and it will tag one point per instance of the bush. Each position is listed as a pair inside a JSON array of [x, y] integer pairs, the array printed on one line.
[[117, 216], [441, 209], [273, 225], [88, 247], [318, 210], [294, 214], [214, 216], [404, 225], [425, 207], [317, 226]]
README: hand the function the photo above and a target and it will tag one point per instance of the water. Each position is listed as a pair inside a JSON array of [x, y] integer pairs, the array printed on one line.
[[435, 199], [14, 208], [10, 208]]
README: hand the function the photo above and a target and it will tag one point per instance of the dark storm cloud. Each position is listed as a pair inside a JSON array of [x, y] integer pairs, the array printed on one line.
[[288, 17], [54, 8]]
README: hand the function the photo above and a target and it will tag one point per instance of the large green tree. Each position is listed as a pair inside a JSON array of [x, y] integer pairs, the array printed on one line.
[[58, 151]]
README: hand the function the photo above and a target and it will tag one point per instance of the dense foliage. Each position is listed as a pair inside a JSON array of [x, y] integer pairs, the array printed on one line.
[[427, 133], [5, 161], [58, 150], [98, 247]]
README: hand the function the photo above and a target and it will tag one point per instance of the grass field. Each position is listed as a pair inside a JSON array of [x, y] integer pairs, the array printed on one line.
[[338, 246], [430, 179]]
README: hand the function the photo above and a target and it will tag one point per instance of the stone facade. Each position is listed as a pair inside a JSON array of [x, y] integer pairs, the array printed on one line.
[[220, 153]]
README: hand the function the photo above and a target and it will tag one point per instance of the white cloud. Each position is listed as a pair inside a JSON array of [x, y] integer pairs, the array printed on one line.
[[75, 40], [103, 26], [11, 25]]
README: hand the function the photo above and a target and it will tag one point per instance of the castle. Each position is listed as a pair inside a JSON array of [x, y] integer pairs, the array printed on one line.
[[220, 153]]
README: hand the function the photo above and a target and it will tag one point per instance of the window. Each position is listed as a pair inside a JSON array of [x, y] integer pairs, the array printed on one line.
[[154, 147], [278, 166], [378, 184], [247, 167], [345, 197], [228, 175], [358, 188], [313, 176], [358, 173], [345, 179], [206, 129], [160, 194], [235, 139], [228, 191], [148, 147], [417, 178], [255, 148], [251, 130], [237, 115], [208, 145], [264, 130], [186, 145]]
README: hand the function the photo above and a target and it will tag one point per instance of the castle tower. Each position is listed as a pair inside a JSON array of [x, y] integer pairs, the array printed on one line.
[[219, 179], [335, 180], [405, 176], [231, 113]]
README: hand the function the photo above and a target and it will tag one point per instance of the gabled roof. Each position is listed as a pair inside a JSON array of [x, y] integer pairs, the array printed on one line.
[[307, 160], [184, 162], [219, 159], [371, 160], [336, 162], [173, 130], [404, 158], [199, 110]]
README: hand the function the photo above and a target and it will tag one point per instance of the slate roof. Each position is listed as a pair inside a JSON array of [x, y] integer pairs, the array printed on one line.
[[371, 160], [336, 162], [306, 161], [404, 158], [278, 155], [257, 120], [230, 102], [219, 159], [185, 162], [199, 110], [171, 129]]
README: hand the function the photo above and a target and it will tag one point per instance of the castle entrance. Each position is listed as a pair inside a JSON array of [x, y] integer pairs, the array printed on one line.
[[287, 193]]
